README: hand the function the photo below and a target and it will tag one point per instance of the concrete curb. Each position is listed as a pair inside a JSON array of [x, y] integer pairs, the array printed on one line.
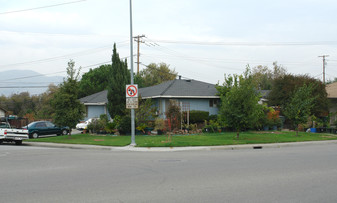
[[174, 149]]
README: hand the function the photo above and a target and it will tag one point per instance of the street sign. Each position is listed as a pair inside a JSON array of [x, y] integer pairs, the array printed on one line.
[[132, 102], [131, 91]]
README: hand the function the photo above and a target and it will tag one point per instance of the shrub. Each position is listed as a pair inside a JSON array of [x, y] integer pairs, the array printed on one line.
[[125, 125], [159, 124], [96, 126], [198, 116], [212, 126]]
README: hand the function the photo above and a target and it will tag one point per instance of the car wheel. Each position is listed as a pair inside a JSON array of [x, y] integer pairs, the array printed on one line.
[[18, 142], [1, 141], [35, 135], [64, 132]]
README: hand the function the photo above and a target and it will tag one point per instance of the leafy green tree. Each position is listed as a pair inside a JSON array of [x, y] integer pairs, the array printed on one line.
[[119, 78], [284, 86], [68, 109], [263, 77], [155, 74], [43, 108], [298, 109], [18, 104], [146, 112], [94, 81], [239, 107]]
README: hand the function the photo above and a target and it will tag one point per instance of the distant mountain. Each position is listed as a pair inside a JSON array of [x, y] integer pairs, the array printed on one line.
[[17, 81]]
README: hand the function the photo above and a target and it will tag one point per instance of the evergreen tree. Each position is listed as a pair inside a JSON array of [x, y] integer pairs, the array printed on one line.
[[68, 109], [119, 78]]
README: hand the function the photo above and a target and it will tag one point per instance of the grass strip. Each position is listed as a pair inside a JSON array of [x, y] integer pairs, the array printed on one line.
[[206, 139]]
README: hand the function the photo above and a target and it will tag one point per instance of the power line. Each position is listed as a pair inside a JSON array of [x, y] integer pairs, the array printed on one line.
[[250, 43], [186, 57], [30, 9], [85, 52], [7, 87], [40, 75]]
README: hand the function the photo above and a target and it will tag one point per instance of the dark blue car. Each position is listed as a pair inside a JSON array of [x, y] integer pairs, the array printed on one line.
[[38, 128]]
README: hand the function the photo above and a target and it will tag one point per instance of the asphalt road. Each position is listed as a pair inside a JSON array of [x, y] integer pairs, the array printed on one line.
[[291, 174]]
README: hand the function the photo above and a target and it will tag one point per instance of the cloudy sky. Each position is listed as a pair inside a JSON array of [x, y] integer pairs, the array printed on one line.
[[200, 39]]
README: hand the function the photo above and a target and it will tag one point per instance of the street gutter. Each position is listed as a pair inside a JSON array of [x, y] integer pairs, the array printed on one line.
[[174, 149]]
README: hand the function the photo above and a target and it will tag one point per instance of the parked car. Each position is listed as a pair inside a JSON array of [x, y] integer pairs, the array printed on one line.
[[84, 125], [37, 128]]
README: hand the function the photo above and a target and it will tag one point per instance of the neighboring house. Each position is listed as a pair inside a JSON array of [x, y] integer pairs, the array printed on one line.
[[264, 95], [190, 94], [331, 89], [96, 104], [2, 112]]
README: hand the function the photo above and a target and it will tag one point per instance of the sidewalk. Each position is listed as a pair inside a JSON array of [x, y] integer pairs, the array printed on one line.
[[174, 149]]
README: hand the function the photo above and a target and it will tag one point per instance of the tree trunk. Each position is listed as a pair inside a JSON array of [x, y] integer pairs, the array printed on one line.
[[237, 134]]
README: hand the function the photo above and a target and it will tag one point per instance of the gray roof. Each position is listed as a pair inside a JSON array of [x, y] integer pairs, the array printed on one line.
[[180, 89], [96, 99], [171, 89]]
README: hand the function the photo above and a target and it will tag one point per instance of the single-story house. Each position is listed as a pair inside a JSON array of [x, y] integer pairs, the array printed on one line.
[[96, 104], [190, 94], [331, 89], [2, 112]]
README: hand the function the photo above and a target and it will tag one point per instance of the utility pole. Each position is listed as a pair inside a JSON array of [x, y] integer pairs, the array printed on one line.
[[324, 64], [138, 40]]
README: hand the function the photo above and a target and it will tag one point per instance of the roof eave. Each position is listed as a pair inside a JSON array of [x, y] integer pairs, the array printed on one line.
[[94, 104], [181, 97]]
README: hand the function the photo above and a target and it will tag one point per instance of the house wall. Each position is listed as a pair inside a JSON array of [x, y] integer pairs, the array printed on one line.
[[194, 104], [333, 110], [94, 111], [2, 113]]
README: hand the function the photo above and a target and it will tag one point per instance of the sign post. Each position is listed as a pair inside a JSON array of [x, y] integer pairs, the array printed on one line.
[[131, 96], [133, 137]]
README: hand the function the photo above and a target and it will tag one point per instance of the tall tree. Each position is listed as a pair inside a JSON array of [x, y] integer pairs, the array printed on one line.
[[263, 76], [155, 74], [284, 86], [94, 81], [68, 109], [239, 107], [119, 78], [299, 106]]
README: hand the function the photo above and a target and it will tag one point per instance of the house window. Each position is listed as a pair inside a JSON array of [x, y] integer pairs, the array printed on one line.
[[213, 103]]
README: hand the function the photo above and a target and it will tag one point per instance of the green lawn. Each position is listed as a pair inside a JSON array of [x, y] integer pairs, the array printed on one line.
[[208, 139]]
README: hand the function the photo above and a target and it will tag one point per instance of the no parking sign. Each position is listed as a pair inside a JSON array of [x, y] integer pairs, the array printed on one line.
[[131, 90], [131, 96]]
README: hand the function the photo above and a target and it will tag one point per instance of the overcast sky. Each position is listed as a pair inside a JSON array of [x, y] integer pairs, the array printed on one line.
[[200, 39]]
